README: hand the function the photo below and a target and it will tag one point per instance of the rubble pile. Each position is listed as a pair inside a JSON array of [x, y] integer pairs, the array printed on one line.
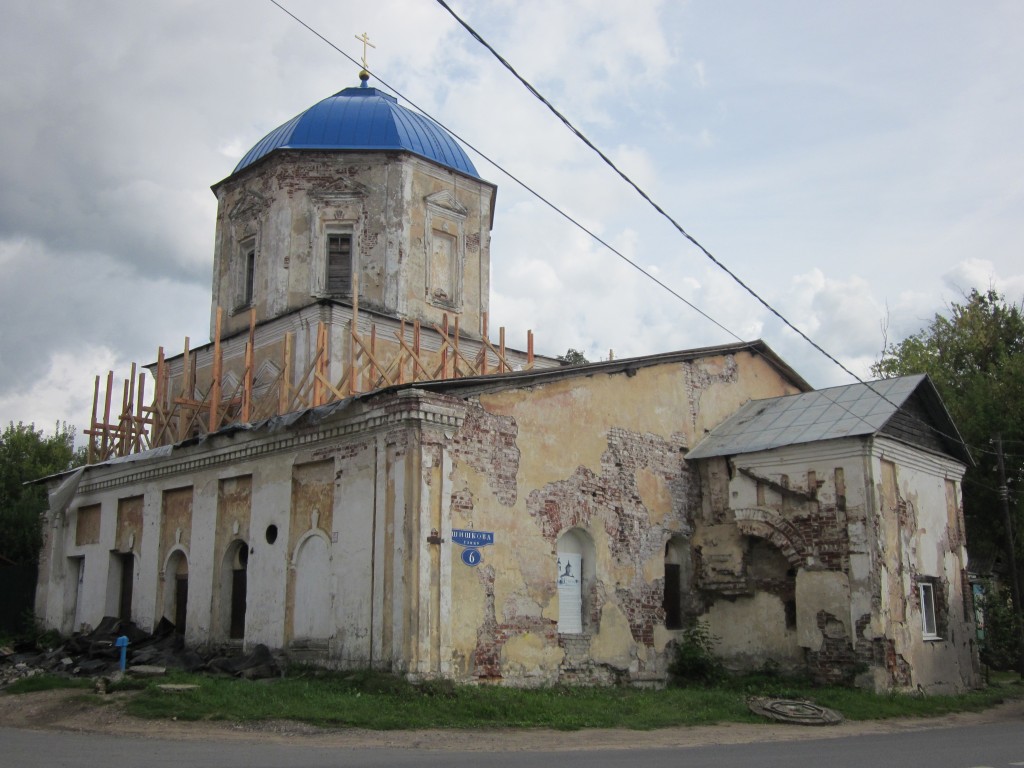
[[96, 654]]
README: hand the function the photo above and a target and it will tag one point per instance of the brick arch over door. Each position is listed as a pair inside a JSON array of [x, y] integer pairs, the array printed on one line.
[[771, 526]]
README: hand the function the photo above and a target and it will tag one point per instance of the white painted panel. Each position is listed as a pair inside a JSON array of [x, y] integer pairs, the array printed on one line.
[[570, 593], [312, 591]]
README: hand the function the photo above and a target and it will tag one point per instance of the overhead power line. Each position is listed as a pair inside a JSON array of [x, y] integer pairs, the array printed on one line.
[[575, 222], [668, 217], [953, 438], [608, 161]]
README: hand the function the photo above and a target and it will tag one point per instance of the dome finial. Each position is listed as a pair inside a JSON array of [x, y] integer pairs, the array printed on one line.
[[364, 73]]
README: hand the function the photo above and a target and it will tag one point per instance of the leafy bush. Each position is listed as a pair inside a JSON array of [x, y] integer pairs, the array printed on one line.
[[695, 662], [1000, 642]]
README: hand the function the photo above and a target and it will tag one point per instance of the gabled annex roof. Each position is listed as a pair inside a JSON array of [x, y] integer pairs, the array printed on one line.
[[908, 409]]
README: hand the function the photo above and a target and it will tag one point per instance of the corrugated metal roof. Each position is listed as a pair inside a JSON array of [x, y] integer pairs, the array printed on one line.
[[825, 414], [363, 119]]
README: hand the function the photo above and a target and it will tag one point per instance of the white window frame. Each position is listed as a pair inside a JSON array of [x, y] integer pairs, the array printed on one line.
[[929, 619]]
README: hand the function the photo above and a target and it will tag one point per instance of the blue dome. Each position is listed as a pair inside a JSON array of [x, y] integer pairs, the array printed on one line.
[[360, 119]]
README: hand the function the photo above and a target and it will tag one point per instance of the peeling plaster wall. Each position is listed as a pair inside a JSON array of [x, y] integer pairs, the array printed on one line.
[[601, 455], [808, 504], [856, 520], [347, 480], [284, 206], [921, 495], [376, 489]]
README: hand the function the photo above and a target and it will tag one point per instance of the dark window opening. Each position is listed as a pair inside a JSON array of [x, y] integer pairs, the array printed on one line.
[[672, 604], [180, 603], [238, 587], [250, 277], [124, 607], [790, 608]]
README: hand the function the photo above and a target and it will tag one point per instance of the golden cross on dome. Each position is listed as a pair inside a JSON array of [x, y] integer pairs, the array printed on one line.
[[365, 40]]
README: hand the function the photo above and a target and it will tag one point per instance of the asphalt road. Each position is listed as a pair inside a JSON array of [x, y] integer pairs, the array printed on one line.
[[995, 745]]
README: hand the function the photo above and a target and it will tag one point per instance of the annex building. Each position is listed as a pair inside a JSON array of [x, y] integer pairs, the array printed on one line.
[[353, 472]]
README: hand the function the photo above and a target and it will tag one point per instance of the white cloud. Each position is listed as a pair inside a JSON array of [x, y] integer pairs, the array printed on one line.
[[853, 175], [698, 71]]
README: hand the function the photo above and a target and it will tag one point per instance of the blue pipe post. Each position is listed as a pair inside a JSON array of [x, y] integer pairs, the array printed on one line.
[[122, 643]]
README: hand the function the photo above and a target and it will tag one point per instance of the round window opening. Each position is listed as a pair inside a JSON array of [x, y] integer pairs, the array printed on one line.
[[271, 534]]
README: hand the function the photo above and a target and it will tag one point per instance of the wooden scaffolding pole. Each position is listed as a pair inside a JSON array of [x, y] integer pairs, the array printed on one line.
[[247, 377], [214, 423]]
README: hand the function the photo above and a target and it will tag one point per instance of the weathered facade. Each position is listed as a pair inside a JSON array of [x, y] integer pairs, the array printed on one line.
[[834, 517], [527, 526]]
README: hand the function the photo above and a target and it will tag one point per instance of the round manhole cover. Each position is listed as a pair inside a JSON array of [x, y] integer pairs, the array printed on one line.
[[793, 711]]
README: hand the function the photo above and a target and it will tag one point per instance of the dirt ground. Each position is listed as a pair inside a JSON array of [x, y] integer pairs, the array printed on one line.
[[75, 710]]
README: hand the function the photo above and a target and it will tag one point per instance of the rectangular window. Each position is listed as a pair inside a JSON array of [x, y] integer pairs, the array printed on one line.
[[928, 623], [250, 278], [243, 275], [339, 265], [673, 596]]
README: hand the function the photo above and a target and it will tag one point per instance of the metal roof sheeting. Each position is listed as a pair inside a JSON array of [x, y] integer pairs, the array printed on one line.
[[825, 414], [363, 119]]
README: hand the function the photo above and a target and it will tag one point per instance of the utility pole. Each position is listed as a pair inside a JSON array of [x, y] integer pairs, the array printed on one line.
[[1004, 500]]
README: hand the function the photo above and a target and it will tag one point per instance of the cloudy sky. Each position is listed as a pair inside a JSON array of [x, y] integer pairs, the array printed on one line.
[[857, 164]]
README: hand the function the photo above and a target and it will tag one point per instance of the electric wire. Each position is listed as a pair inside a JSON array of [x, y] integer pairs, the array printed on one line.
[[558, 210], [643, 194], [519, 181], [579, 134], [953, 438]]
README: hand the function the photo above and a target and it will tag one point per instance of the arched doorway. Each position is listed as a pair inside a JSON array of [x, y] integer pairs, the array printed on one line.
[[176, 590], [677, 555], [233, 589]]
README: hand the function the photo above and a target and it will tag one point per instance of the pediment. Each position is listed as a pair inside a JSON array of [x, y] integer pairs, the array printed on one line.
[[447, 202], [249, 206], [339, 188]]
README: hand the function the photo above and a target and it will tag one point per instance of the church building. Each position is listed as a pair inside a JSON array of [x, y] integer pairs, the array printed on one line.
[[353, 473]]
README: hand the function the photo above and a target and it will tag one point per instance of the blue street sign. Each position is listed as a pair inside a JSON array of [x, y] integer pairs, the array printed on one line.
[[470, 538], [471, 557]]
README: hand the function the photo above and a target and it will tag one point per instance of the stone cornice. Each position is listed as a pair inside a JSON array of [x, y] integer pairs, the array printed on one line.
[[408, 408]]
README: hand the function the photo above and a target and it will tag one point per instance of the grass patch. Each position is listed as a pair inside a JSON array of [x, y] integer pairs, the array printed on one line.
[[382, 702], [48, 683], [378, 701]]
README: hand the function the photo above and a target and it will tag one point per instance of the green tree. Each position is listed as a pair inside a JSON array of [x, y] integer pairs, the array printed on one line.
[[26, 454], [975, 356], [573, 357]]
